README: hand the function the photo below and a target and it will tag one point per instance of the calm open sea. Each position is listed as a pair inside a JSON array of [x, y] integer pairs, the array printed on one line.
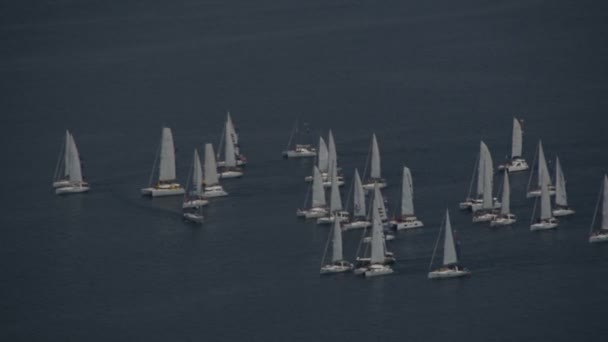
[[430, 78]]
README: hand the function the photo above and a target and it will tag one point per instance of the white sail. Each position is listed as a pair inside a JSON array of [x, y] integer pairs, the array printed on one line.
[[377, 243], [235, 137], [197, 174], [542, 165], [332, 153], [545, 200], [66, 154], [211, 176], [605, 204], [561, 198], [323, 156], [318, 193], [375, 168], [74, 169], [335, 203], [488, 174], [166, 171], [450, 256], [506, 195], [480, 171], [337, 254], [229, 148], [407, 193], [359, 198], [381, 208], [516, 144]]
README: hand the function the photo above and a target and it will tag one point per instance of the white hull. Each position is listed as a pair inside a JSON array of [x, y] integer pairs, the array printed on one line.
[[544, 225], [515, 165], [72, 189], [231, 174], [501, 221], [173, 190], [299, 154], [343, 217], [239, 162], [468, 203], [214, 191], [328, 184], [484, 217], [313, 213], [356, 225], [333, 269], [536, 193], [192, 217], [563, 212], [61, 183], [448, 273], [378, 270], [407, 223], [387, 237], [479, 206], [598, 237], [193, 204], [370, 186]]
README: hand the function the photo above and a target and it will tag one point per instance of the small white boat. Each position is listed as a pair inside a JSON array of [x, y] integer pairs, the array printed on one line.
[[450, 267], [517, 162], [376, 270], [318, 206], [335, 202], [166, 185], [542, 169], [545, 220], [601, 234], [337, 264], [359, 210], [485, 211], [408, 219], [195, 217], [68, 174], [375, 174], [505, 217], [194, 198], [299, 150], [212, 187], [387, 237], [241, 160], [561, 197], [230, 169]]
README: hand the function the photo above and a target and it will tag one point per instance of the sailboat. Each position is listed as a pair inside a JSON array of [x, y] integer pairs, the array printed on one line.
[[318, 206], [326, 159], [467, 204], [194, 198], [359, 210], [166, 185], [546, 220], [483, 210], [451, 267], [322, 161], [337, 264], [230, 169], [408, 219], [299, 150], [601, 235], [561, 197], [375, 176], [517, 162], [542, 170], [231, 132], [505, 218], [377, 266], [335, 202], [70, 180], [212, 186]]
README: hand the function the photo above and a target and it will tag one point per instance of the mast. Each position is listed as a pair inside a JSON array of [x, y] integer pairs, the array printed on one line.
[[605, 205]]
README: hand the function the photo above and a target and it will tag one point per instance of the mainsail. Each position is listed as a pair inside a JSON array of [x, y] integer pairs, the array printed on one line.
[[450, 256], [516, 144], [561, 198], [318, 193], [166, 170], [407, 193], [375, 168], [211, 176], [359, 198], [337, 254]]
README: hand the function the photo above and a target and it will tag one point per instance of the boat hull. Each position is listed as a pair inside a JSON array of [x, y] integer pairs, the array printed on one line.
[[563, 212], [447, 274], [299, 154], [387, 237], [479, 205], [515, 165], [370, 186], [600, 237], [544, 225], [312, 213], [484, 217], [356, 225], [193, 204], [61, 183], [161, 192], [192, 217], [239, 162], [334, 269], [378, 270], [501, 221], [408, 223], [343, 217], [72, 189], [536, 192]]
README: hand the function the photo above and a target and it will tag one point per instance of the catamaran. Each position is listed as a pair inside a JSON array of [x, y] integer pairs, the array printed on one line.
[[506, 217], [211, 179], [231, 131], [335, 202], [375, 174], [68, 175], [230, 169], [408, 219], [299, 150], [337, 263], [359, 210], [561, 197], [484, 211], [542, 170], [166, 185], [545, 220], [194, 197], [318, 206], [517, 162], [451, 267], [601, 234]]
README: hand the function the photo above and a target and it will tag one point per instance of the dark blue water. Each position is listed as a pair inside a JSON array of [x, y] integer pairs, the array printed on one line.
[[429, 78]]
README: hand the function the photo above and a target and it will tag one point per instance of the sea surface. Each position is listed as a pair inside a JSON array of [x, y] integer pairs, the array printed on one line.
[[430, 78]]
